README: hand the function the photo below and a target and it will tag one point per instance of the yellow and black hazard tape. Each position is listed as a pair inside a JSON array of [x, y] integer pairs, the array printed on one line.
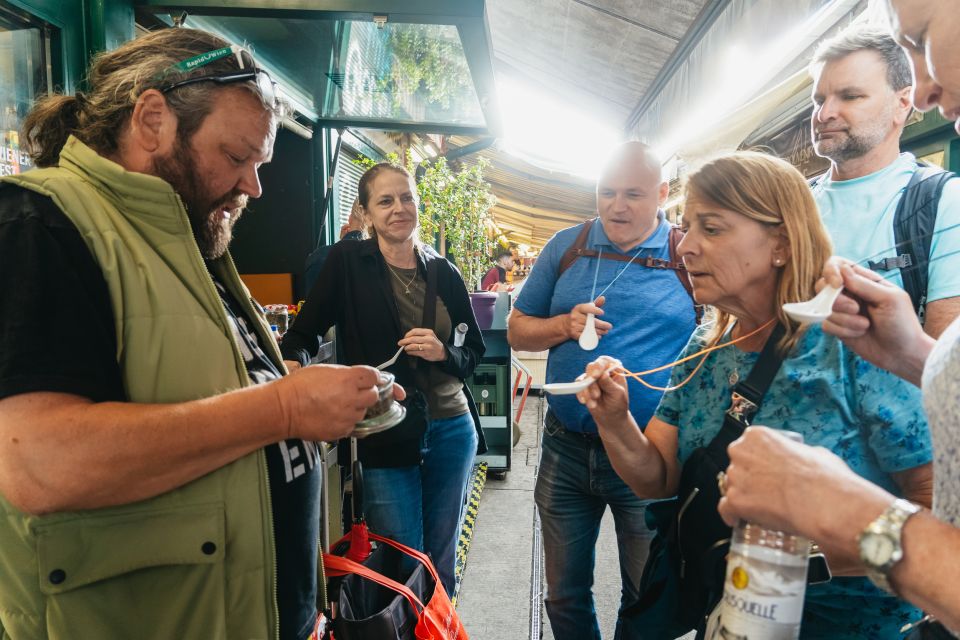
[[469, 520]]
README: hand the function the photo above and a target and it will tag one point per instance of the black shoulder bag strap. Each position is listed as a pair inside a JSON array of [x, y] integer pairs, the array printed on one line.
[[429, 317], [747, 397], [748, 394]]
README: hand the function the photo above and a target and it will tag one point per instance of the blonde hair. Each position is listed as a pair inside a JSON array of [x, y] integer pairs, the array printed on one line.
[[117, 78], [772, 192]]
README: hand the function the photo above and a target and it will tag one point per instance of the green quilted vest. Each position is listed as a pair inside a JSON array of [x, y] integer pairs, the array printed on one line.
[[197, 562]]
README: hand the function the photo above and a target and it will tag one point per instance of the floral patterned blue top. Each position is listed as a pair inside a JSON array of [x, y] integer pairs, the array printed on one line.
[[824, 391]]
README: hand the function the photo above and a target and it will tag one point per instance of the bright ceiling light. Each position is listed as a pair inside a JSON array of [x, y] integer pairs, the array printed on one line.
[[551, 134], [746, 69]]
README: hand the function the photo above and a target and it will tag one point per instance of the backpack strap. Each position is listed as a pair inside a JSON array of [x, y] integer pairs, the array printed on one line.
[[913, 225], [575, 250], [578, 250]]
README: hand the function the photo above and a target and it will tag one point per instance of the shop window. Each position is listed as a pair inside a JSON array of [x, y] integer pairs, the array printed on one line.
[[23, 77]]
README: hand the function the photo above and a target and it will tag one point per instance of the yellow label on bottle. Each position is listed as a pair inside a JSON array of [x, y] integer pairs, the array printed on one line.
[[739, 578]]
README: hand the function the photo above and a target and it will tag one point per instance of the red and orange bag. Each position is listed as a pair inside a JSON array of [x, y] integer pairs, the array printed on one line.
[[416, 609]]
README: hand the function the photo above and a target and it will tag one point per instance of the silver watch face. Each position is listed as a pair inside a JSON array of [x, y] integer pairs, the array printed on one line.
[[877, 549]]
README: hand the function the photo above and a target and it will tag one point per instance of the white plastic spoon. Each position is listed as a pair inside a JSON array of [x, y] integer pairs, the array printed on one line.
[[567, 388], [815, 310], [588, 337], [389, 362]]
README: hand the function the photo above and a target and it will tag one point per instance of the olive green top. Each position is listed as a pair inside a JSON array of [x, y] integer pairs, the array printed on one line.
[[444, 392], [194, 562]]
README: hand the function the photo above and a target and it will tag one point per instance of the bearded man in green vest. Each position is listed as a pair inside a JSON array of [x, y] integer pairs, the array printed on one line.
[[159, 475]]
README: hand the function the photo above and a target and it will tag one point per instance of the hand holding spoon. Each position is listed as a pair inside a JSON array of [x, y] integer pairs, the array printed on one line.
[[815, 310], [568, 388], [384, 365]]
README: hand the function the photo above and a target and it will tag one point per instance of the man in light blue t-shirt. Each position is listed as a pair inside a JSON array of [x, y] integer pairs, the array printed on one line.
[[645, 319], [861, 101]]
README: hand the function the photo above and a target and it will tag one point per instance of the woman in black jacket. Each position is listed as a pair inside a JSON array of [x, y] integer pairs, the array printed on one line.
[[374, 291]]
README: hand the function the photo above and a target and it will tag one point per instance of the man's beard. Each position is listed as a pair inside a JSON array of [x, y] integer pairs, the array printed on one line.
[[844, 148], [211, 229], [854, 144]]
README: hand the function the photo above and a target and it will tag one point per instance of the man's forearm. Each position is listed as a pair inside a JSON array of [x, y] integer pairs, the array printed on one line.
[[931, 550], [939, 314], [529, 333], [927, 575], [62, 453], [909, 366]]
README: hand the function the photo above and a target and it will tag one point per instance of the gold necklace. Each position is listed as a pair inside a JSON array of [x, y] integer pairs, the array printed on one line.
[[406, 285]]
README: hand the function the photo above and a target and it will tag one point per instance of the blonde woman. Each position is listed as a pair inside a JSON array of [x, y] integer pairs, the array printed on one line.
[[753, 242]]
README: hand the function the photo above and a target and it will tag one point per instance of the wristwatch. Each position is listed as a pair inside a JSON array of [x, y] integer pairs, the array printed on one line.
[[880, 545]]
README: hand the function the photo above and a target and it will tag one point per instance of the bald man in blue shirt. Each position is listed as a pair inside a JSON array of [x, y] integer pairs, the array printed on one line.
[[644, 319]]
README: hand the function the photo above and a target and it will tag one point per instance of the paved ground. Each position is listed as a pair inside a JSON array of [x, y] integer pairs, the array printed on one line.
[[497, 599]]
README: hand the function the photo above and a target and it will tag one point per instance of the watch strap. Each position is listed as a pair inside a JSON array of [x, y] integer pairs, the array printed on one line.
[[890, 524]]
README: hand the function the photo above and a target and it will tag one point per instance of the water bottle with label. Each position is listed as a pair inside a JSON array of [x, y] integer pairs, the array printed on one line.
[[765, 586]]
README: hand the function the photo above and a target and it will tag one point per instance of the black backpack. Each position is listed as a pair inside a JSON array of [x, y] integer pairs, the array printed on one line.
[[913, 225]]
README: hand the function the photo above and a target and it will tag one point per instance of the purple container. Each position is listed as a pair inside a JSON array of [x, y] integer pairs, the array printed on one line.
[[483, 303]]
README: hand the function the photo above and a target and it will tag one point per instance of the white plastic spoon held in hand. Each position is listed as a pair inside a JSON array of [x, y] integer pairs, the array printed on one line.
[[588, 338], [815, 310], [568, 388], [384, 365]]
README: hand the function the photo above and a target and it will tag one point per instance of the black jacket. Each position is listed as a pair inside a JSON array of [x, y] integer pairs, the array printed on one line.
[[353, 292]]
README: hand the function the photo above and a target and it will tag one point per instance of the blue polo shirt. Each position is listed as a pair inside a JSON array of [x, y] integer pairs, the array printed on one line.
[[651, 314]]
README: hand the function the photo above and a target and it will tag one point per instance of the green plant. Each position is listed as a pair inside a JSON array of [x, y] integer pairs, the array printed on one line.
[[427, 61], [425, 57], [458, 203]]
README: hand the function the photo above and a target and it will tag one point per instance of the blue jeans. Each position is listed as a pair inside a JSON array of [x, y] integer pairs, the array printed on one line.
[[423, 506], [575, 485]]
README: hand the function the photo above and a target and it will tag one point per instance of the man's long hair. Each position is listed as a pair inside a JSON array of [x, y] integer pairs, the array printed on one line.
[[115, 81]]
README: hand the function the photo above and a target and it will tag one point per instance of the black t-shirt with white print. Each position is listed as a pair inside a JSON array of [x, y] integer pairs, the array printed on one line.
[[294, 486]]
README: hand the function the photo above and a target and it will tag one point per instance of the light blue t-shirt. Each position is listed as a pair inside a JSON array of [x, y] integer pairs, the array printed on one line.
[[858, 215], [835, 399], [651, 313]]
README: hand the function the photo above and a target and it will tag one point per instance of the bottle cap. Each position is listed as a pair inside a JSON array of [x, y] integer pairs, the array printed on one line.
[[460, 335]]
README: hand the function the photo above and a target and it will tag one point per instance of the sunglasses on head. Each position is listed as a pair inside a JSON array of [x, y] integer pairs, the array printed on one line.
[[265, 84]]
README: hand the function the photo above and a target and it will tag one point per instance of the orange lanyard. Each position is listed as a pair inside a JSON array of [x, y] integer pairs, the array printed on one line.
[[704, 353]]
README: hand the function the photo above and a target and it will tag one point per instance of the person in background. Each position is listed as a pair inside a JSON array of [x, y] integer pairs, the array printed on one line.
[[157, 467], [497, 275], [352, 230], [646, 318], [861, 101], [376, 292], [754, 242], [774, 482]]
